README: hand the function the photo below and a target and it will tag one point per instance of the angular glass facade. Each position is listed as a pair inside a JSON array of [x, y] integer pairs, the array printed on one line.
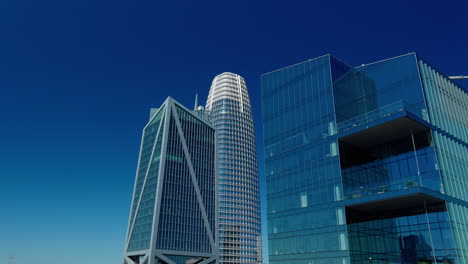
[[302, 166], [239, 203], [173, 218], [365, 164]]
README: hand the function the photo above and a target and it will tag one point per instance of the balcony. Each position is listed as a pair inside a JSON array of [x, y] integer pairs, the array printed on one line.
[[385, 121]]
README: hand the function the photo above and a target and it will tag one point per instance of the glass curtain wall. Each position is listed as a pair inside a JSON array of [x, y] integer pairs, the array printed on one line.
[[448, 111], [302, 164]]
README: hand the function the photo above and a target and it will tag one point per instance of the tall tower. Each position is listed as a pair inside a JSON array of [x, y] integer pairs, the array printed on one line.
[[173, 217], [239, 202]]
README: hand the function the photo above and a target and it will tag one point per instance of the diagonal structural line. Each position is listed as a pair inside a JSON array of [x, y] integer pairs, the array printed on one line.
[[129, 260], [194, 179], [161, 256], [206, 261], [161, 178], [144, 185], [145, 259], [135, 184], [138, 168]]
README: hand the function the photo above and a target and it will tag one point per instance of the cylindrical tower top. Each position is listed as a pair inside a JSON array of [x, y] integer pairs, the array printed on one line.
[[228, 85]]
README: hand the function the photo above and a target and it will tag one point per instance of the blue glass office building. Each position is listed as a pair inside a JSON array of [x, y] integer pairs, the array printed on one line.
[[173, 217], [365, 164]]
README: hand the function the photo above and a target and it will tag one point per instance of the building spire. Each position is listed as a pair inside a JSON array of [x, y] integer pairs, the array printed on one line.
[[196, 102]]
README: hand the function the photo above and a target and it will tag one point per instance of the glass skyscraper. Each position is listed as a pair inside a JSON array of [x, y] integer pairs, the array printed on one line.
[[239, 203], [173, 217], [365, 165]]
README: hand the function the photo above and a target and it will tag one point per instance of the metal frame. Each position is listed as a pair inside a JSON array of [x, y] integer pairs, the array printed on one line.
[[138, 168], [144, 183], [149, 255], [162, 165], [194, 178], [461, 77], [131, 222]]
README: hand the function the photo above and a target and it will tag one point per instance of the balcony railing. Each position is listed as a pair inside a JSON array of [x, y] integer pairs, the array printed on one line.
[[374, 115], [430, 180]]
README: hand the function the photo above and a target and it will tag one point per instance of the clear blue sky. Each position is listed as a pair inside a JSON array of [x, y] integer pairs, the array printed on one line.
[[77, 79]]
